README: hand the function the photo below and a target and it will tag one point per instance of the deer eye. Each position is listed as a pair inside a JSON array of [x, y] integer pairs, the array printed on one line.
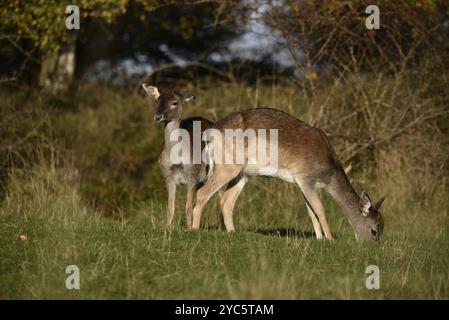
[[373, 232], [174, 105]]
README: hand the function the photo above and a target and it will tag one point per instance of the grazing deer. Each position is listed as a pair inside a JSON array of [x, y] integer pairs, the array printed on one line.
[[169, 110], [304, 157]]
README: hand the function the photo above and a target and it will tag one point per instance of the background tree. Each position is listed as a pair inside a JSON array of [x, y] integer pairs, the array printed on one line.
[[41, 24], [35, 30], [332, 35], [186, 32]]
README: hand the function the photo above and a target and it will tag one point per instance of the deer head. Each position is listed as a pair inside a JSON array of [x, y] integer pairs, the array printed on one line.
[[372, 224], [169, 105]]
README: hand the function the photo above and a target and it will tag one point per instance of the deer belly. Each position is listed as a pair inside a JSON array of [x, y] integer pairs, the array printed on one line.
[[283, 174], [178, 175]]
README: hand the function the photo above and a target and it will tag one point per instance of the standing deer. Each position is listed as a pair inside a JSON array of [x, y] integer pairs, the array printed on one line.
[[169, 110], [305, 157]]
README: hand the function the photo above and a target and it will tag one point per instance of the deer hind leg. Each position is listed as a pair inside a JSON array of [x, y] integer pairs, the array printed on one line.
[[171, 191], [316, 210], [221, 192], [221, 176], [191, 192], [228, 200]]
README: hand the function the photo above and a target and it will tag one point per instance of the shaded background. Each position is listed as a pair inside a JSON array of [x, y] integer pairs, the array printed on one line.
[[366, 88]]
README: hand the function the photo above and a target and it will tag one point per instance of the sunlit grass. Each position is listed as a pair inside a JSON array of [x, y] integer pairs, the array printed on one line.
[[80, 179], [137, 258]]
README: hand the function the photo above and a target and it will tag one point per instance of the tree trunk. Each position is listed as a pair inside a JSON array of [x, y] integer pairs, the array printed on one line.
[[58, 69]]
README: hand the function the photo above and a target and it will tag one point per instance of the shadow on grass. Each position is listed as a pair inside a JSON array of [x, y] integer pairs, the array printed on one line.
[[276, 232], [286, 232], [212, 227]]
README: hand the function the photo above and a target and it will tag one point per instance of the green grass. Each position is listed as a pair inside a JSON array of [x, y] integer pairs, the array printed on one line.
[[137, 258], [79, 178]]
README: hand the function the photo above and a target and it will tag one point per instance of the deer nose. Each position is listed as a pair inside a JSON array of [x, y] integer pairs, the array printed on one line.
[[158, 117]]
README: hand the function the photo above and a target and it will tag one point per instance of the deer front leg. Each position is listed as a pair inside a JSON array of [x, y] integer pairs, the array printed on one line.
[[313, 202], [315, 222], [319, 209], [171, 191]]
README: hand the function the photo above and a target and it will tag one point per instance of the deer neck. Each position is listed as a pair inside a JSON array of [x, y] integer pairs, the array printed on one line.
[[343, 192], [170, 126]]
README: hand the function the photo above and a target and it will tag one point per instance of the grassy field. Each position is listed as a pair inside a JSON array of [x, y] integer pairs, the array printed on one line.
[[80, 180]]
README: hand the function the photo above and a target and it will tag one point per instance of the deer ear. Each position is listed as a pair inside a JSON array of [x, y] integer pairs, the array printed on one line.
[[183, 97], [365, 204], [188, 98], [152, 91], [378, 204]]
